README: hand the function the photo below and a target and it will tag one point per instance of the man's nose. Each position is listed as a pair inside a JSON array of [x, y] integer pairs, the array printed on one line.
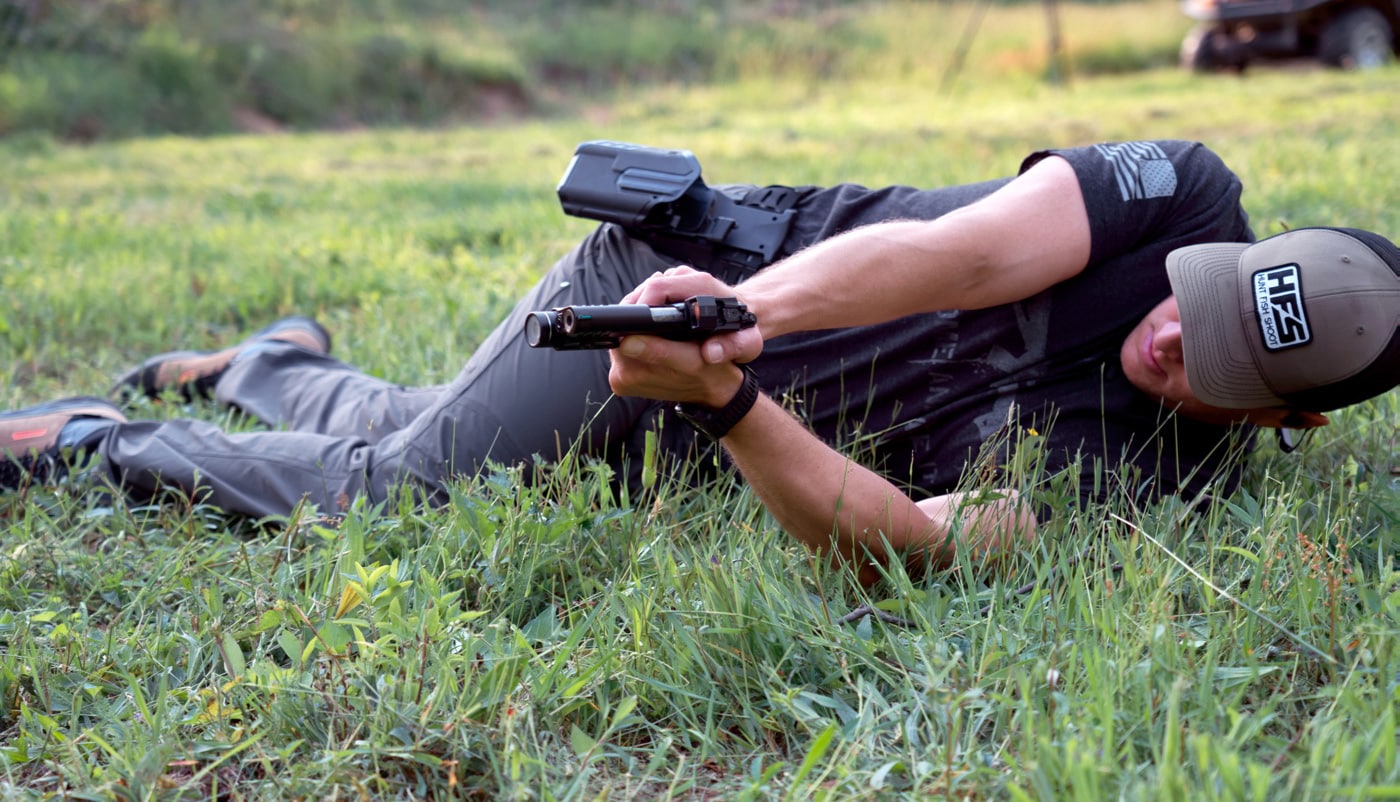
[[1168, 340]]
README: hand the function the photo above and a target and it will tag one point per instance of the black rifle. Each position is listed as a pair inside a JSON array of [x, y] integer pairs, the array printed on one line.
[[574, 328]]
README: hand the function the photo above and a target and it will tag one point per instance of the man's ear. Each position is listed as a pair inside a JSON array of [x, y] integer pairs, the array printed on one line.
[[1287, 419]]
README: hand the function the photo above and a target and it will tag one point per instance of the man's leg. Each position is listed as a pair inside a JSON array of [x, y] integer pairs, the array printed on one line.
[[254, 473], [509, 403], [284, 377], [293, 388]]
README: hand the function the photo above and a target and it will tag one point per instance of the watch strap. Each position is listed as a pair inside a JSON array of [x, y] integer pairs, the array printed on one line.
[[716, 423]]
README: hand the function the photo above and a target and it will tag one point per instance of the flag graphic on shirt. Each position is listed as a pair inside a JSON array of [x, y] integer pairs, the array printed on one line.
[[1141, 169]]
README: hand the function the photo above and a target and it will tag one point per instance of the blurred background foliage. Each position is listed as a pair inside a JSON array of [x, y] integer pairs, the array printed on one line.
[[82, 70]]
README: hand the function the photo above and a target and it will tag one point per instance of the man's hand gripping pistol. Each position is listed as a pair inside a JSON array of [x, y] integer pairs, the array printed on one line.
[[573, 328]]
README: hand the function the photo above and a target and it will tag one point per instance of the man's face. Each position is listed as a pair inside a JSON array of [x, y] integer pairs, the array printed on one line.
[[1152, 361]]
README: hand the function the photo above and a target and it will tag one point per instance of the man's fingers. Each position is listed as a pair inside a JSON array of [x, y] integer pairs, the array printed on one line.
[[654, 367], [632, 347], [672, 286], [635, 296], [678, 284], [672, 354], [737, 346]]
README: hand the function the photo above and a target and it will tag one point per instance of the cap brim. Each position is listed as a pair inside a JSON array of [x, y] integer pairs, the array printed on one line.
[[1219, 363]]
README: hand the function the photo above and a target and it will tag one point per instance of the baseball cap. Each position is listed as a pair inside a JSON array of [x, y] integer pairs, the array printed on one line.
[[1307, 320]]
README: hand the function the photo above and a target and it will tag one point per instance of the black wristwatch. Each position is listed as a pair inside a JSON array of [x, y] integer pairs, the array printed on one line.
[[716, 423]]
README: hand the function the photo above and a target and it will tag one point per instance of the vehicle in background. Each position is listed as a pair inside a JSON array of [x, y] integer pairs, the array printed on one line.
[[1349, 34]]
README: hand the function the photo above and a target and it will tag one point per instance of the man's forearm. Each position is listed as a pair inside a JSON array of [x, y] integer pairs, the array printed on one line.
[[834, 505]]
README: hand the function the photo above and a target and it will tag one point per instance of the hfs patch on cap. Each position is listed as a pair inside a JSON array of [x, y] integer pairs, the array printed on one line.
[[1278, 307]]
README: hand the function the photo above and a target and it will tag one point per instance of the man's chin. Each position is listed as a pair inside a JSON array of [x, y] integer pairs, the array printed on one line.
[[1205, 413]]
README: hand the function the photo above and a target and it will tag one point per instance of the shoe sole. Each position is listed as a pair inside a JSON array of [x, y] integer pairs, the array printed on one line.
[[78, 406], [54, 414], [25, 454]]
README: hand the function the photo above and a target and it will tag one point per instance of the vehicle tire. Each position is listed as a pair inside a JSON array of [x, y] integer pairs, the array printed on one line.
[[1201, 51], [1358, 39]]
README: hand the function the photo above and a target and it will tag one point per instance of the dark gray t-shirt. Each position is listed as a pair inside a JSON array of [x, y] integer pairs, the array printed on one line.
[[919, 398]]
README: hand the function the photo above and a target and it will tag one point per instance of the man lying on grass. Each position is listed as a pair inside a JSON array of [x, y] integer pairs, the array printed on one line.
[[908, 326]]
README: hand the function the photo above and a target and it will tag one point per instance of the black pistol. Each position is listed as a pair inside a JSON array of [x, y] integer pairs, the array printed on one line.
[[575, 328]]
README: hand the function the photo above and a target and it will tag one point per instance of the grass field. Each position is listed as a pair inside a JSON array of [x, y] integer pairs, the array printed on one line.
[[558, 642]]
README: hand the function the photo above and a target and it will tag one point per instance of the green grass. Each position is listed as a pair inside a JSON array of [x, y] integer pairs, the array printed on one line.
[[559, 642], [86, 71]]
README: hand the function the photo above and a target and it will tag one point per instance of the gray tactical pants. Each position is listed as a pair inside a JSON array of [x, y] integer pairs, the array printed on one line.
[[337, 434]]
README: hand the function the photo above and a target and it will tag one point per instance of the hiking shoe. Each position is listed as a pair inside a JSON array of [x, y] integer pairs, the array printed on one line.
[[194, 373], [37, 443]]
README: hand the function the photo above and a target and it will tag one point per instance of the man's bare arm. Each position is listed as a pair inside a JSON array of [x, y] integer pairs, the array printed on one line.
[[1029, 235], [840, 508]]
